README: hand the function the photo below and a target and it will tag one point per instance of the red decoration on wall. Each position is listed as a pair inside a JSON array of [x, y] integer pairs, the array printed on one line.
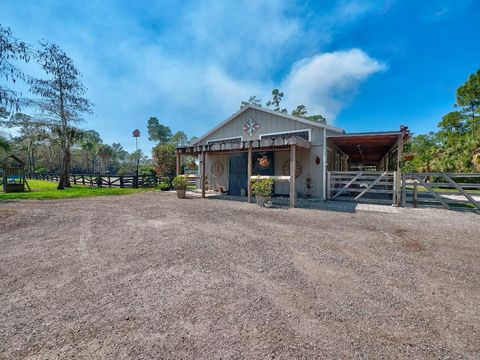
[[264, 162], [317, 160]]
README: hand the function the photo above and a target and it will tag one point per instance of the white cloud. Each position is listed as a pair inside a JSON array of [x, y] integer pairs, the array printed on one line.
[[192, 63], [325, 82]]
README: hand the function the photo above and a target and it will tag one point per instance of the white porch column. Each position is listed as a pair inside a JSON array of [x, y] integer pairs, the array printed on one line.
[[293, 166], [398, 179], [324, 165], [249, 172], [204, 180]]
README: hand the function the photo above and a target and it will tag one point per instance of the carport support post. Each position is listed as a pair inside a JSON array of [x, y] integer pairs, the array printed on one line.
[[178, 163], [204, 180], [249, 173], [325, 189], [398, 179], [293, 166]]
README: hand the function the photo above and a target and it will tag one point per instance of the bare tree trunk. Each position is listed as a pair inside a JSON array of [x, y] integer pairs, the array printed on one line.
[[64, 180], [63, 168], [33, 161], [67, 168]]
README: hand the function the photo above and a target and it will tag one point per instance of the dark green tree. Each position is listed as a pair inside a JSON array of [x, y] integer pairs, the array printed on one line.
[[90, 142], [4, 143], [300, 110], [317, 118], [32, 133], [252, 100], [105, 152], [468, 98], [158, 132], [179, 138], [165, 159], [277, 97]]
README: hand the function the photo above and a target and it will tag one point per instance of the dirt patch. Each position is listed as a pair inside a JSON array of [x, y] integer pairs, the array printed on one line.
[[414, 245], [151, 276], [5, 213]]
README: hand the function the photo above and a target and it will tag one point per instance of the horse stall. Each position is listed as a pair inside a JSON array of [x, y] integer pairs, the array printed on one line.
[[365, 167]]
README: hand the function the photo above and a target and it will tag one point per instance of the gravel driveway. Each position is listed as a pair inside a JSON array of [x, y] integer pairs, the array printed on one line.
[[150, 276]]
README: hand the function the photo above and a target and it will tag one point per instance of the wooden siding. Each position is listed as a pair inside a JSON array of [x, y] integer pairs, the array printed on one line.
[[269, 123], [215, 182], [306, 157]]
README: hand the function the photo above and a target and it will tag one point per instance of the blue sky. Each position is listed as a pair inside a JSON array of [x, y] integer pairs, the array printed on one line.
[[366, 65]]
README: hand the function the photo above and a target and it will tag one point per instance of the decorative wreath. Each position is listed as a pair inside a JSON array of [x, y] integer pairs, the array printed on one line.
[[263, 161], [217, 169], [286, 169]]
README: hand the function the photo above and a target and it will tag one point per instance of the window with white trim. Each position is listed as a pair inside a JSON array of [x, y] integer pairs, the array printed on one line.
[[304, 134], [226, 140]]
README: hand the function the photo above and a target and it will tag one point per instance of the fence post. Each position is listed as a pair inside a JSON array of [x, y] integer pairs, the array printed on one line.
[[135, 181], [109, 182], [415, 194], [404, 189], [121, 181], [328, 185], [395, 199]]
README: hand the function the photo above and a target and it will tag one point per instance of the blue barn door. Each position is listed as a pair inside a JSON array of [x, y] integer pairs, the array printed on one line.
[[237, 178]]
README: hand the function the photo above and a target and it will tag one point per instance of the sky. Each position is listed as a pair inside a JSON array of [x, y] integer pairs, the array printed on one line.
[[366, 65]]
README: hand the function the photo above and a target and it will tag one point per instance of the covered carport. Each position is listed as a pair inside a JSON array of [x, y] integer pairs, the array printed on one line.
[[372, 171]]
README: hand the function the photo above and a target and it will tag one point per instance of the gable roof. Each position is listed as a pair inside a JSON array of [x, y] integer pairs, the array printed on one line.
[[11, 156], [273, 112]]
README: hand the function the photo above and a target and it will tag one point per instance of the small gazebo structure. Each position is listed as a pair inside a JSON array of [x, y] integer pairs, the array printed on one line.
[[13, 174]]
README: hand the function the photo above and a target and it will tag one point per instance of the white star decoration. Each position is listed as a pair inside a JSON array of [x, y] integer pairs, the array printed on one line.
[[251, 126]]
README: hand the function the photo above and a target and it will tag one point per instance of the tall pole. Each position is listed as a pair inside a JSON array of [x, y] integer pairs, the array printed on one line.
[[138, 155], [136, 135]]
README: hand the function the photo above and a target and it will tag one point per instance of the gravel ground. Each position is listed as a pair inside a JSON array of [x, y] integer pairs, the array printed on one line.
[[150, 276]]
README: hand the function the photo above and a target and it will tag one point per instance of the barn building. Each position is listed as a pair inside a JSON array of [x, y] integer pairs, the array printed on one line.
[[256, 141]]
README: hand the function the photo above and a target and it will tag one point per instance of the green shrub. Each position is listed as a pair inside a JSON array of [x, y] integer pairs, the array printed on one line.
[[180, 182], [262, 187], [163, 186], [146, 171], [41, 170]]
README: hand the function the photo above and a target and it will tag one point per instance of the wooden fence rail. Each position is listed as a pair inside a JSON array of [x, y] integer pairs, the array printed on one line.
[[361, 186], [99, 180], [459, 191]]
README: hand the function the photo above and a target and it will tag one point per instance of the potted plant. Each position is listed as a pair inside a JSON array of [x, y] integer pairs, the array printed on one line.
[[262, 189], [180, 184]]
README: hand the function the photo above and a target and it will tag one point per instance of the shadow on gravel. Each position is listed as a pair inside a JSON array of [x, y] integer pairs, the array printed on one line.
[[283, 203]]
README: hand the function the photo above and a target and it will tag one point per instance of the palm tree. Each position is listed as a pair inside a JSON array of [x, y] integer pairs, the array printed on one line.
[[90, 143], [72, 136], [105, 152]]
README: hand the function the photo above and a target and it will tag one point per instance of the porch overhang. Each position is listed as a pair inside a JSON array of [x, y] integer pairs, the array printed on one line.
[[368, 148], [280, 143]]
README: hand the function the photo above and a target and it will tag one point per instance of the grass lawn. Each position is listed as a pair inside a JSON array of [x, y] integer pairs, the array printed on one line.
[[48, 190], [444, 190]]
